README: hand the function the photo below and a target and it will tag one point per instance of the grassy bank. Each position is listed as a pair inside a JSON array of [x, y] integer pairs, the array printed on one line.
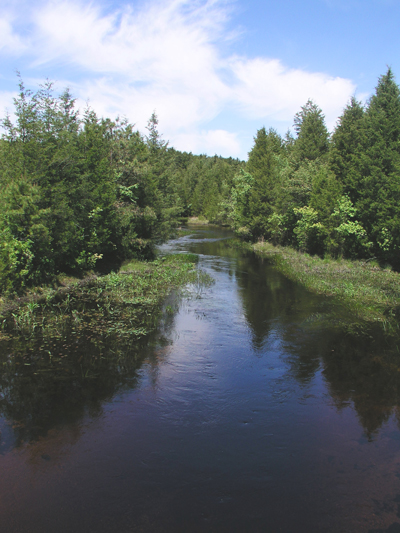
[[198, 221], [127, 303], [368, 291]]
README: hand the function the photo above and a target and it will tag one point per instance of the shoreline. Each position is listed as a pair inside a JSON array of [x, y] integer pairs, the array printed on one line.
[[370, 292], [134, 295]]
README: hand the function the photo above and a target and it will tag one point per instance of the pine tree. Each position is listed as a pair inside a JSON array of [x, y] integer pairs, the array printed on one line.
[[154, 138]]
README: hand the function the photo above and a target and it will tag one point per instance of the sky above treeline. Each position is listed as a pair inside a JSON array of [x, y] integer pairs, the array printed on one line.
[[214, 71]]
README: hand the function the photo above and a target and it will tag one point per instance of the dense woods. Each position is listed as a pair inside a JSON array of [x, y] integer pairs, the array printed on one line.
[[83, 192], [79, 192], [335, 195]]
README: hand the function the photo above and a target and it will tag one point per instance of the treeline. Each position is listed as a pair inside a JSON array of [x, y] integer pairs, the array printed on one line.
[[336, 195], [79, 192], [83, 192]]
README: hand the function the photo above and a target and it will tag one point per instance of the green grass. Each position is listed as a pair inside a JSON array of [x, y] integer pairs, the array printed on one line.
[[123, 304], [198, 221], [370, 292]]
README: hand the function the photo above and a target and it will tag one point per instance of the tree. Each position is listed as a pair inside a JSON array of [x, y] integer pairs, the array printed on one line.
[[378, 180], [312, 140], [264, 167], [154, 139], [238, 205], [348, 142]]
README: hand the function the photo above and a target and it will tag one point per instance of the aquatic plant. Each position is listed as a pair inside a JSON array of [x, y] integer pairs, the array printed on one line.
[[126, 303]]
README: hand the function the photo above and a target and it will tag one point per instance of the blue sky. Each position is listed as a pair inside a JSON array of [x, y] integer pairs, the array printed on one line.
[[214, 71]]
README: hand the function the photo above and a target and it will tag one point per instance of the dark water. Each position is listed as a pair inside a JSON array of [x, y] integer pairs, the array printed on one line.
[[250, 410]]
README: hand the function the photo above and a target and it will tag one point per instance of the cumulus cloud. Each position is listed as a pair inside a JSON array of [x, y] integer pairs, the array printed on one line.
[[269, 89], [220, 142], [167, 55]]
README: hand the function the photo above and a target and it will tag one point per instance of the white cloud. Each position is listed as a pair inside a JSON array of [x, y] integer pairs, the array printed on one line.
[[269, 89], [220, 142], [166, 55], [6, 102], [10, 41]]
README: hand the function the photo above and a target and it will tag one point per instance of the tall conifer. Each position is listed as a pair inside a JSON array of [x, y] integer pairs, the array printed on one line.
[[312, 135], [347, 143], [263, 165], [379, 186]]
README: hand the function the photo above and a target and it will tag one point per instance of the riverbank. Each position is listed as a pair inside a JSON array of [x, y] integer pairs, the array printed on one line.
[[197, 221], [370, 292], [126, 303]]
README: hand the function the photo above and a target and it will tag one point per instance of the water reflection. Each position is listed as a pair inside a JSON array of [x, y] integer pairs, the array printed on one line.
[[39, 391], [362, 370], [52, 382], [245, 412]]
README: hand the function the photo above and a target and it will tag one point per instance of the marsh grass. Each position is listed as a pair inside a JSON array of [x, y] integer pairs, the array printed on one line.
[[371, 293], [64, 350], [123, 304]]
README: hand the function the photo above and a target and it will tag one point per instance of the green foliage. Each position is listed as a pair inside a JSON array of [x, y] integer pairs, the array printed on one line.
[[276, 227], [350, 238], [347, 142], [312, 140], [264, 166], [237, 206], [15, 261], [80, 193], [339, 196], [378, 188], [309, 232]]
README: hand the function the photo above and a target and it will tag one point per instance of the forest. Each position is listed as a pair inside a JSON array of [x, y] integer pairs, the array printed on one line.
[[335, 195], [82, 192]]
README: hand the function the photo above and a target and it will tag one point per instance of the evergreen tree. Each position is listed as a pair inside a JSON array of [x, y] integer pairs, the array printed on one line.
[[347, 143], [154, 139], [263, 166], [312, 140], [378, 181]]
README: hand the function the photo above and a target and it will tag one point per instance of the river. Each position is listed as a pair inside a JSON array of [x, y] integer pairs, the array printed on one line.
[[249, 410]]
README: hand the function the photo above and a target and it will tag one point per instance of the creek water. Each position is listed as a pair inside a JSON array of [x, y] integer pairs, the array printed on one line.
[[251, 409]]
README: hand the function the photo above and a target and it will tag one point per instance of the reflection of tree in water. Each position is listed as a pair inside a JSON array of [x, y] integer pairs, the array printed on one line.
[[361, 370], [43, 389], [269, 299], [366, 373]]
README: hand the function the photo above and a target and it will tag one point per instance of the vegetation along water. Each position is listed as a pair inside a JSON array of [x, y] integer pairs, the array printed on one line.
[[203, 384]]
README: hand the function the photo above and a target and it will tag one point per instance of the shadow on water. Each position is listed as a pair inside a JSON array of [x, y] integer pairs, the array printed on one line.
[[393, 528]]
